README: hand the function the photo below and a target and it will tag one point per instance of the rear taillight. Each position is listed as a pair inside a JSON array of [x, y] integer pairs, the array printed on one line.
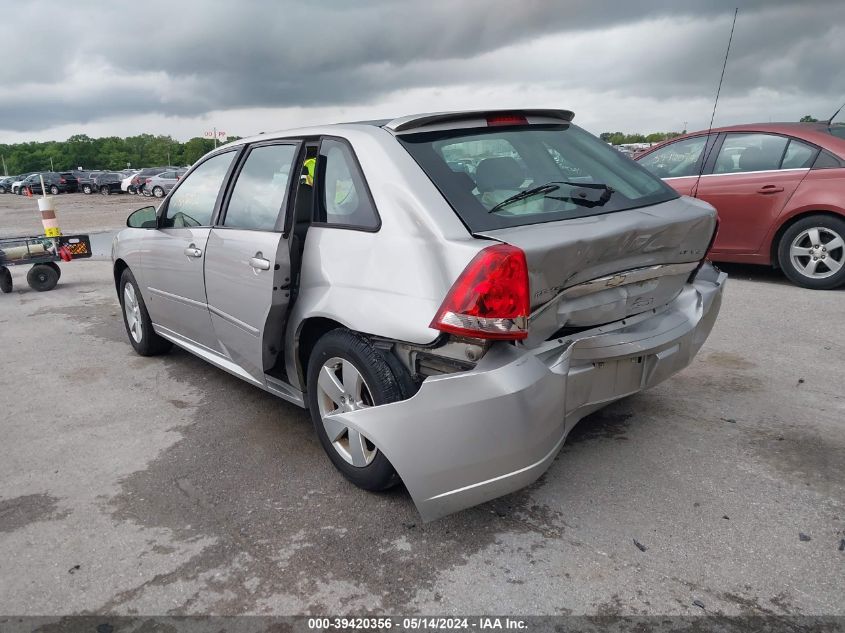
[[62, 181], [490, 298]]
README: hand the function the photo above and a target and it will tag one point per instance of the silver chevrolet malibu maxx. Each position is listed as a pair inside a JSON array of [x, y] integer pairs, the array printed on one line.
[[448, 294]]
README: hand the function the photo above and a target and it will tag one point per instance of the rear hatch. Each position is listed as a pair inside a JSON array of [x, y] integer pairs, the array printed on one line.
[[599, 269], [603, 238]]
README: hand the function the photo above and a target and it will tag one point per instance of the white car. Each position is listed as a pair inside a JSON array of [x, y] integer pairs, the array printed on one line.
[[124, 184]]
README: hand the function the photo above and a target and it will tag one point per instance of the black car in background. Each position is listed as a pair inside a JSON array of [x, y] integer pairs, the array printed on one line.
[[86, 180], [107, 183], [6, 183], [55, 182]]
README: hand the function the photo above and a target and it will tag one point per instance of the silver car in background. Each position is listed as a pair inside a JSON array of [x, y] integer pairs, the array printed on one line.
[[446, 326], [161, 184]]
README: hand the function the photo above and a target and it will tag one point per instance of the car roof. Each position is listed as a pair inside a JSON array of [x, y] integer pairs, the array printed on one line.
[[416, 123], [813, 132]]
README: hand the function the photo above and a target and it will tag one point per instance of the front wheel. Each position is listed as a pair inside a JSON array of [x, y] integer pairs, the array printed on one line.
[[812, 252], [2, 189], [158, 192], [345, 373], [137, 321]]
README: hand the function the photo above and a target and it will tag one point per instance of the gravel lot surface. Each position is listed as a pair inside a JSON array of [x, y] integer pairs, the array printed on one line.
[[76, 212], [162, 485]]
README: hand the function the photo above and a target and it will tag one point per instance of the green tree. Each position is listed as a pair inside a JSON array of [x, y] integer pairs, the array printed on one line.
[[808, 118]]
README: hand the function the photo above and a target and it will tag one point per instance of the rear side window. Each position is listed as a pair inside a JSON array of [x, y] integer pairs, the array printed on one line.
[[344, 197], [798, 155], [530, 174], [259, 192], [192, 204], [750, 152]]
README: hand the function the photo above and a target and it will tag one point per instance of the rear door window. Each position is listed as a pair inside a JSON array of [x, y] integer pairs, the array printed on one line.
[[750, 152], [260, 190], [798, 155]]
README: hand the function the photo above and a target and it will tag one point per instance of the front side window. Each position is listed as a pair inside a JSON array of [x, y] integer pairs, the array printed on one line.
[[192, 204], [531, 174], [344, 197], [750, 152], [259, 192], [675, 160]]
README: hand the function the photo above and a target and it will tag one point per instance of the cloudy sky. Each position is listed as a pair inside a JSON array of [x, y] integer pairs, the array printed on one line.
[[246, 66]]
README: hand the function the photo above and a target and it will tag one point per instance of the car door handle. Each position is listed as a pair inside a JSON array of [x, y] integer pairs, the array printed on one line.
[[770, 189], [259, 263], [193, 251]]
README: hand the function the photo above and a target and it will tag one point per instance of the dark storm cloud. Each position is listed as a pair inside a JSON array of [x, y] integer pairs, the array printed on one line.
[[190, 57]]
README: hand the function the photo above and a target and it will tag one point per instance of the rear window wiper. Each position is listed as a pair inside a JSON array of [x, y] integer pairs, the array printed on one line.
[[522, 195], [549, 187]]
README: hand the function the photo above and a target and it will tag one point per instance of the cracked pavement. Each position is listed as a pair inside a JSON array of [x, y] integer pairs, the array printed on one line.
[[134, 485]]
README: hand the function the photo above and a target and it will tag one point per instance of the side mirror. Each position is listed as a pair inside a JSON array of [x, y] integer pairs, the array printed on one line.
[[144, 218]]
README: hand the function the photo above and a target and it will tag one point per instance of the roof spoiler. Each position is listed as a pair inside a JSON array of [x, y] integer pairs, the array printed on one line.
[[473, 118]]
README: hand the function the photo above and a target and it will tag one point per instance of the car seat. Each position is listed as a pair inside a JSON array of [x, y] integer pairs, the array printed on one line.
[[498, 179]]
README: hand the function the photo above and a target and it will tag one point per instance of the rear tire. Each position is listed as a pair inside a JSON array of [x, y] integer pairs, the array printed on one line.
[[811, 252], [5, 280], [42, 277], [54, 190], [354, 371], [2, 189], [105, 191], [86, 189], [136, 319]]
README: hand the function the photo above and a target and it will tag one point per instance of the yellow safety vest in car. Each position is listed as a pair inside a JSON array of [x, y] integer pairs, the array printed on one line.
[[310, 164]]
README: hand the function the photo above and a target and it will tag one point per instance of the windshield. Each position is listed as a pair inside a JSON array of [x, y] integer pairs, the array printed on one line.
[[501, 177]]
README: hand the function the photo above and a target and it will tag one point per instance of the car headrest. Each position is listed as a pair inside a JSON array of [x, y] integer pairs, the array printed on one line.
[[498, 173], [754, 159]]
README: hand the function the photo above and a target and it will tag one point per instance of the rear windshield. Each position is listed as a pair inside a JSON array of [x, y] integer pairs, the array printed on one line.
[[837, 129], [512, 176]]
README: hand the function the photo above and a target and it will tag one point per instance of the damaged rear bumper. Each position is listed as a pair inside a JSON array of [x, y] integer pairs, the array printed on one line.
[[468, 437]]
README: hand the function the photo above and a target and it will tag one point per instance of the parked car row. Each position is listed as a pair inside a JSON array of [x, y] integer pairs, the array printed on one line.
[[149, 181]]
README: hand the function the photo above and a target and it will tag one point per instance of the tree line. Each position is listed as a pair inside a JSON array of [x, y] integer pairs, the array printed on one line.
[[620, 138], [110, 152]]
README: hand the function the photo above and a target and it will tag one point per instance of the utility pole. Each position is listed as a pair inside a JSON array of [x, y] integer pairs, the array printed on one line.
[[5, 171], [215, 138], [685, 127]]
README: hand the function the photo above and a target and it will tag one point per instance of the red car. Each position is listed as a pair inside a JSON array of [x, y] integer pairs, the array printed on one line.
[[779, 189]]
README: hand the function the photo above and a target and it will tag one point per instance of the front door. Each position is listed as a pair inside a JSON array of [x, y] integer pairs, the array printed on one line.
[[247, 266], [174, 255], [753, 177]]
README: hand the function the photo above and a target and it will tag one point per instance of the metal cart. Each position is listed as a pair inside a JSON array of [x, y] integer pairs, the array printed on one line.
[[43, 254]]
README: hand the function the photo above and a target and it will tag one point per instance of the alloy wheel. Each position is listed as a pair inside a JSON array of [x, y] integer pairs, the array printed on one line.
[[340, 389], [817, 252], [133, 312]]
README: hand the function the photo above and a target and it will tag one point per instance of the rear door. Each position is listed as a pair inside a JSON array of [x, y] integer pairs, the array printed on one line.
[[247, 265], [751, 180], [174, 254]]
